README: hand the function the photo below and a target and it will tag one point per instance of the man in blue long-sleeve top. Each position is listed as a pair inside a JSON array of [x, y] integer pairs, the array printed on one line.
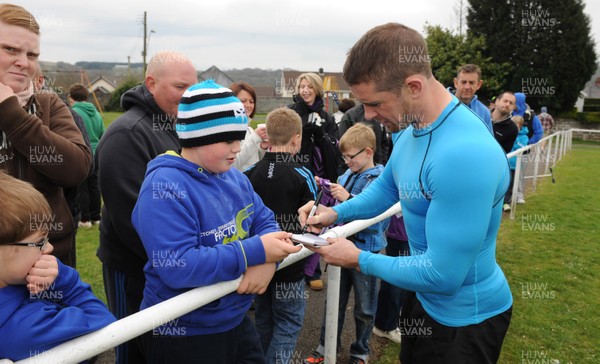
[[450, 177]]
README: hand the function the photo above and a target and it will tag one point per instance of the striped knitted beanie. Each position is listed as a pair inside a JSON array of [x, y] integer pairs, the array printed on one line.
[[210, 113]]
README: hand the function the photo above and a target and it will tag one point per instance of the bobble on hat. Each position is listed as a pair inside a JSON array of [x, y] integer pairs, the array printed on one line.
[[209, 113]]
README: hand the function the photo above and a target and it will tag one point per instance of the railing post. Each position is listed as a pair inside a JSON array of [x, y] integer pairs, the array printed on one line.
[[331, 313], [556, 149], [546, 168], [513, 200], [536, 161]]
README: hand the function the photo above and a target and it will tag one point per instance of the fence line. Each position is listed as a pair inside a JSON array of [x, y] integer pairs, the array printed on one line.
[[89, 345], [97, 342]]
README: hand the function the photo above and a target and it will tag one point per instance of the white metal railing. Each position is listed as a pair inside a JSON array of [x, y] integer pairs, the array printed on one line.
[[97, 342], [537, 160], [546, 152]]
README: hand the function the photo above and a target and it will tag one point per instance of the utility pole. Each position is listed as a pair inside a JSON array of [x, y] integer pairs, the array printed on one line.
[[144, 52], [128, 66]]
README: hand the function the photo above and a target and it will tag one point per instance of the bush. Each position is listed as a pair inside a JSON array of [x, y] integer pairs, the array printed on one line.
[[586, 117], [115, 99]]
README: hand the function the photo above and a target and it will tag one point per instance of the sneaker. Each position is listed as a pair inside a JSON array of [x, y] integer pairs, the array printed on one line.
[[95, 222], [520, 200], [314, 358], [316, 284], [506, 207], [355, 360], [393, 335], [85, 224]]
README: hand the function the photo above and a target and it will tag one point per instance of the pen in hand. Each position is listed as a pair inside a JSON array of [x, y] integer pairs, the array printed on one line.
[[313, 210]]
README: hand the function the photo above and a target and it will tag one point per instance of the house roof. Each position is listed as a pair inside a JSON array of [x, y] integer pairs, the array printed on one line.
[[102, 78], [217, 75]]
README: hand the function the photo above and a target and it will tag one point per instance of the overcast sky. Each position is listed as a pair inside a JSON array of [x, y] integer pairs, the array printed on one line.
[[303, 35]]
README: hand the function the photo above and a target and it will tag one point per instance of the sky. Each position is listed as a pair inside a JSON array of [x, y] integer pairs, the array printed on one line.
[[303, 35]]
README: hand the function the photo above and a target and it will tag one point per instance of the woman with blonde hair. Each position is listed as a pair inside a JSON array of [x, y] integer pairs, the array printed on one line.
[[319, 130]]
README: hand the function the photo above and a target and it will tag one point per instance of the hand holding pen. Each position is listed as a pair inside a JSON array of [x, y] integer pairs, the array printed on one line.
[[320, 218]]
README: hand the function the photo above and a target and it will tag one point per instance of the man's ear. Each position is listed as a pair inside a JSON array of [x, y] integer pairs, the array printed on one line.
[[150, 83], [479, 84], [414, 84], [455, 83]]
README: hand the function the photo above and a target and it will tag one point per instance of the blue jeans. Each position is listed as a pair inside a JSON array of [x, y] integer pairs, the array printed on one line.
[[391, 298], [365, 305], [278, 316]]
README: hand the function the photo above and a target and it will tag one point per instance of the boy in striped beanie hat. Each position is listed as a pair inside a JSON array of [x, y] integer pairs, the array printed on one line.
[[201, 223], [209, 113]]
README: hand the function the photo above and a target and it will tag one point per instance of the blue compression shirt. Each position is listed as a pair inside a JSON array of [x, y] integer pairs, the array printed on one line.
[[450, 179]]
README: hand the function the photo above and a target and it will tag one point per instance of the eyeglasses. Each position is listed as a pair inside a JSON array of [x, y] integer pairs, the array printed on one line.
[[349, 158], [40, 244]]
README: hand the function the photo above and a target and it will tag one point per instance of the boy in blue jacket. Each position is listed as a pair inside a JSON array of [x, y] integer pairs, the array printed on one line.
[[202, 223], [358, 148], [43, 303]]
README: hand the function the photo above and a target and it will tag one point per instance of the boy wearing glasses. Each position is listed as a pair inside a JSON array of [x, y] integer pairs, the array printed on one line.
[[43, 303], [358, 148]]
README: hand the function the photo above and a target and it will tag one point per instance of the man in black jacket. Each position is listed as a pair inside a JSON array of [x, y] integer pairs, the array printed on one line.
[[505, 130], [146, 130]]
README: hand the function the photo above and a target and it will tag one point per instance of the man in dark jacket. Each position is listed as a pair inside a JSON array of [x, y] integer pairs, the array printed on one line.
[[39, 142], [146, 130], [357, 115], [505, 130]]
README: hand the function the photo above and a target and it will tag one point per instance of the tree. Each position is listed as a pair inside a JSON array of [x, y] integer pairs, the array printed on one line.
[[114, 104], [547, 43], [449, 51]]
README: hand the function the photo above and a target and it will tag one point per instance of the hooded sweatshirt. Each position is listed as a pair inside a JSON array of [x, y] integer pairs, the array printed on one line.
[[521, 141], [534, 126], [505, 132], [33, 323], [198, 229], [92, 120], [130, 142]]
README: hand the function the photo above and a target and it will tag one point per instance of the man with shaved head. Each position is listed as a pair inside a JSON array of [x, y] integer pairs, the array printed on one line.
[[146, 130]]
